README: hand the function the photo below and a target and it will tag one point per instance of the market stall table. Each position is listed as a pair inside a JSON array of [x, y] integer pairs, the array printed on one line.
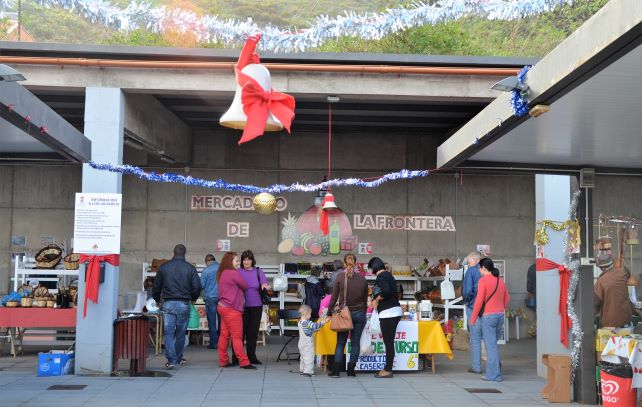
[[432, 340], [14, 321]]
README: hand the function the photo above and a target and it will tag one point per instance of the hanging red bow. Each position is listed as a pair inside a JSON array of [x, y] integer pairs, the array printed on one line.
[[258, 103], [542, 264], [93, 275]]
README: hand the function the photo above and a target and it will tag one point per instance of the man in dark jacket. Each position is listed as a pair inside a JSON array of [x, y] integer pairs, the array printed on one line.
[[176, 285]]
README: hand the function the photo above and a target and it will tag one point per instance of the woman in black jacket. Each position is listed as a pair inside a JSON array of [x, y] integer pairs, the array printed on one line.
[[387, 304]]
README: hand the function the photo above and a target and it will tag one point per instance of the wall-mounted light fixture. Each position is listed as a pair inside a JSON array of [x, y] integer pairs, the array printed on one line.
[[510, 84]]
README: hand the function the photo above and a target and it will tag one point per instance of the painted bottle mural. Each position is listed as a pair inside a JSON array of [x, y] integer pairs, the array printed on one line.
[[302, 236], [335, 238]]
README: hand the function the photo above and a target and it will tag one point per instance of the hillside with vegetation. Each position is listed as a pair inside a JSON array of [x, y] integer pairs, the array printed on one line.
[[533, 36]]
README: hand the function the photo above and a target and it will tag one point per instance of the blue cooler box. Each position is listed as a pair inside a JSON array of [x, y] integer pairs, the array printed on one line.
[[56, 363]]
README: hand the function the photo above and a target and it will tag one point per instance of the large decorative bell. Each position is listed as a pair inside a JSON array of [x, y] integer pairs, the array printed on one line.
[[235, 117]]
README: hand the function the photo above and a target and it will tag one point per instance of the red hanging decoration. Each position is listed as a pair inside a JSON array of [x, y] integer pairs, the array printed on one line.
[[258, 103]]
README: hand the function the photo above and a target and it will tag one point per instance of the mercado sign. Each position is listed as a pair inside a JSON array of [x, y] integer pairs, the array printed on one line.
[[401, 222], [230, 203], [406, 350]]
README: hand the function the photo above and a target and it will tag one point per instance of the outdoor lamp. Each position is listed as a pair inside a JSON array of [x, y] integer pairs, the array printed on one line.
[[510, 84], [8, 74]]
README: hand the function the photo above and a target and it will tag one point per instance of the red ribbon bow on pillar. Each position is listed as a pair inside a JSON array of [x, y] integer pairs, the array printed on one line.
[[542, 264], [93, 275]]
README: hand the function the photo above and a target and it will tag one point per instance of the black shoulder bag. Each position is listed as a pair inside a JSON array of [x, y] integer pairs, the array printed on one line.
[[266, 299], [481, 310]]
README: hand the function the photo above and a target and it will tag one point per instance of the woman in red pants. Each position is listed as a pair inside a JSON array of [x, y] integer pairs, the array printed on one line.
[[231, 286]]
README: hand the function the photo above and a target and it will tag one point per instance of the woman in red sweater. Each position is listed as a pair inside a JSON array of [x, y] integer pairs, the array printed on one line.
[[231, 286], [490, 305]]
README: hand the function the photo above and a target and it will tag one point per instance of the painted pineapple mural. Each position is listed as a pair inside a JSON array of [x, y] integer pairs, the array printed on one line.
[[302, 236]]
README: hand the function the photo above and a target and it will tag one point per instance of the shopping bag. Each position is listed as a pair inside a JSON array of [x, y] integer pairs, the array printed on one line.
[[194, 318], [375, 326], [365, 347], [447, 290]]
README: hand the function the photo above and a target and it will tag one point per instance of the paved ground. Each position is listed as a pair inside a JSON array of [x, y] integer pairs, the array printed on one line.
[[201, 383]]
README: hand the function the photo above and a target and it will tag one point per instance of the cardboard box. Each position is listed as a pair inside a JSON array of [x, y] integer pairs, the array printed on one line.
[[56, 363]]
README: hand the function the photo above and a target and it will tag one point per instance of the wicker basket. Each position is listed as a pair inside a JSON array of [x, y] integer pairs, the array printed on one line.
[[26, 302], [51, 303], [48, 257], [40, 302], [41, 291], [13, 304], [71, 261]]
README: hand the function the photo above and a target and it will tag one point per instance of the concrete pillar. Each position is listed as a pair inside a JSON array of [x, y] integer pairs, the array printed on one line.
[[104, 126], [552, 202]]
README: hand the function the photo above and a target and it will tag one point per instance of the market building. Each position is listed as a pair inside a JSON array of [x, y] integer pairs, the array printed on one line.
[[435, 113]]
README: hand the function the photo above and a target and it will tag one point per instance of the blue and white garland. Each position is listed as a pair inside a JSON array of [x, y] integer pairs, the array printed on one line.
[[518, 101], [233, 32], [251, 189]]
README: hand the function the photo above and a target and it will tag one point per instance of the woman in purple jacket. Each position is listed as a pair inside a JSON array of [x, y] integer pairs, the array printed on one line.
[[253, 309]]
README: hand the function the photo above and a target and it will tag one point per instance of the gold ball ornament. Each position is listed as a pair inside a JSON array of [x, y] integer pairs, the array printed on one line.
[[264, 203]]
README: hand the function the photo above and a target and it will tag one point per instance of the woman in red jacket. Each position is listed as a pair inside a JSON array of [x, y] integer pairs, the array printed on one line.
[[231, 286], [490, 305]]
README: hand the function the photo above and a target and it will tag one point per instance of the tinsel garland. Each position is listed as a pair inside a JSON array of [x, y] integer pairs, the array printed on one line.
[[574, 266], [251, 189], [572, 225], [367, 25], [518, 101]]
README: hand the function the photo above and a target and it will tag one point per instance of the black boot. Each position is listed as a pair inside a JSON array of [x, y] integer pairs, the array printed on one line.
[[351, 367], [335, 371]]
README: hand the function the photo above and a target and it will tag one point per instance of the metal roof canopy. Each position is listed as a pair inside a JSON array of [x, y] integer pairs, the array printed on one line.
[[31, 131], [593, 84]]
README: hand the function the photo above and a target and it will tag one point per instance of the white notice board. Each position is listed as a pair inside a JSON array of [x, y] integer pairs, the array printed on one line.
[[97, 223]]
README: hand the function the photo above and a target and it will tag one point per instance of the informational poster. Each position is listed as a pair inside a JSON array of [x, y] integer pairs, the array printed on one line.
[[97, 223], [484, 249], [406, 350], [223, 245]]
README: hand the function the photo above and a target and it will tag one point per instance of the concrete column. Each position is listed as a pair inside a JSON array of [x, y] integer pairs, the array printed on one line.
[[552, 202], [104, 126]]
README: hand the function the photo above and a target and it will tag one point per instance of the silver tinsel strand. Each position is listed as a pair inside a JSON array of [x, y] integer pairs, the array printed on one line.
[[574, 266]]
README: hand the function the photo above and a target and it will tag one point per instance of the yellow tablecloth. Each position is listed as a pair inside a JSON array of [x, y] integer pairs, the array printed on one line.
[[431, 340]]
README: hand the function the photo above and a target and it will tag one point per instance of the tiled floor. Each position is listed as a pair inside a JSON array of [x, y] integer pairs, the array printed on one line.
[[202, 383]]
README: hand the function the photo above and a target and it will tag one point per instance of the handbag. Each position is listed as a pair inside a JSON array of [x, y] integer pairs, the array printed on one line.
[[483, 307], [266, 299], [341, 319]]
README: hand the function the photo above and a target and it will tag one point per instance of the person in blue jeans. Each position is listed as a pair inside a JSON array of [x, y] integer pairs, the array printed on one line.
[[350, 289], [469, 294], [210, 296], [490, 306], [176, 285]]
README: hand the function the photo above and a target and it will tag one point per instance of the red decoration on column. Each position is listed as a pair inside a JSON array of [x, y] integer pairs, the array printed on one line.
[[93, 275], [542, 264]]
